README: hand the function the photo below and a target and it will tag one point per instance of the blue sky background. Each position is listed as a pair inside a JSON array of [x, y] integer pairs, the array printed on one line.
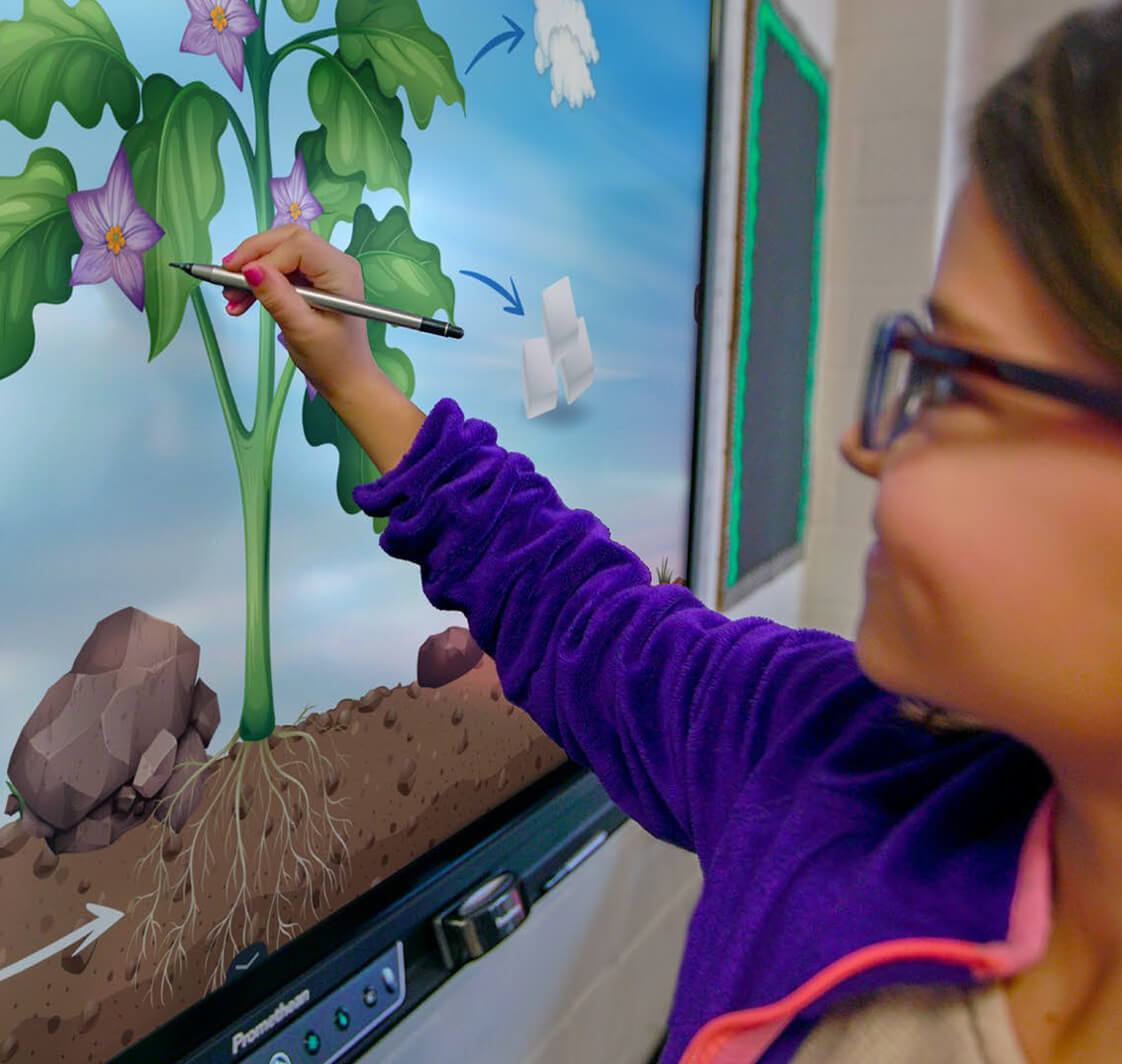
[[117, 482]]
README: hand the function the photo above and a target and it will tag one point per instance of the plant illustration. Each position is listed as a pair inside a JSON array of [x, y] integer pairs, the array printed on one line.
[[163, 188]]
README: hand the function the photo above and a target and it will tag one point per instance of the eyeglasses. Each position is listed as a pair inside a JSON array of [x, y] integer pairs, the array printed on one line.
[[908, 372]]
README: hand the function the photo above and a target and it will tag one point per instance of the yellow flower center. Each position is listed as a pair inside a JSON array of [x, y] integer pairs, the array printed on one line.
[[294, 210], [115, 240], [218, 18]]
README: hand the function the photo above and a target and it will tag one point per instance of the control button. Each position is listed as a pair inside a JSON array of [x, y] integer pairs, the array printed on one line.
[[312, 1043], [342, 1019], [370, 997], [389, 979], [245, 960]]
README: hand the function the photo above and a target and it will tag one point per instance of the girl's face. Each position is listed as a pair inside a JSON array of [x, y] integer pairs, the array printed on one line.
[[995, 589]]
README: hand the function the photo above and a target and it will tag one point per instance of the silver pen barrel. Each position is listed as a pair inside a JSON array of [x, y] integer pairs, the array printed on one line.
[[326, 300]]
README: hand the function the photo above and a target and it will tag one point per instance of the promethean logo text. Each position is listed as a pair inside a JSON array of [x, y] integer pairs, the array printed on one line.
[[245, 1039]]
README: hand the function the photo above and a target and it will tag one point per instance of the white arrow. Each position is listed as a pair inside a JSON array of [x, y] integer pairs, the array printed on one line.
[[104, 919]]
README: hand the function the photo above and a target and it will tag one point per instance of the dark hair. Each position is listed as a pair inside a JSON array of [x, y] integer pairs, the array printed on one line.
[[1046, 143]]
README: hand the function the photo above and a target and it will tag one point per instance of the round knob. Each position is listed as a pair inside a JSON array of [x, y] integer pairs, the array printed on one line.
[[486, 916]]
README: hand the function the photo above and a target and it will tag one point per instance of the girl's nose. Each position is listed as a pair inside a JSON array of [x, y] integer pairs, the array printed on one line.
[[860, 458]]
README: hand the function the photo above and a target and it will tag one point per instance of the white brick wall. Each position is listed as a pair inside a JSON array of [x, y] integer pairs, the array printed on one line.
[[883, 176]]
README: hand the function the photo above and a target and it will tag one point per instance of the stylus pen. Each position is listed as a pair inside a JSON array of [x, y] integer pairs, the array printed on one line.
[[328, 301]]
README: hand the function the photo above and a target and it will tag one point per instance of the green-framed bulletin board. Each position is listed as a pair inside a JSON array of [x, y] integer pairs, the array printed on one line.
[[775, 324]]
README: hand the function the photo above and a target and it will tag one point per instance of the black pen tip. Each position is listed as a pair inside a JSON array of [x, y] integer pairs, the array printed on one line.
[[178, 265], [455, 332]]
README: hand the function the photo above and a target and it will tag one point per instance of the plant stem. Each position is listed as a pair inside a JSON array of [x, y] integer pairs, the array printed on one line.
[[254, 453], [239, 435], [258, 716], [307, 38], [254, 449]]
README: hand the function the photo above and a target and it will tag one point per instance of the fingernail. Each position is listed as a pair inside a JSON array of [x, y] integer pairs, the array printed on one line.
[[232, 306], [253, 274], [227, 258]]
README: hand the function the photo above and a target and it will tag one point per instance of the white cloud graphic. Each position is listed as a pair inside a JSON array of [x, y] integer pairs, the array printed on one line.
[[566, 46]]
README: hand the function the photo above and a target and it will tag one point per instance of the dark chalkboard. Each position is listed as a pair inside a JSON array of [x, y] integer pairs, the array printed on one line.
[[776, 329]]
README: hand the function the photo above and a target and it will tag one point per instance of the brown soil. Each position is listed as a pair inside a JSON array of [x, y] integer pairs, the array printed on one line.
[[406, 768]]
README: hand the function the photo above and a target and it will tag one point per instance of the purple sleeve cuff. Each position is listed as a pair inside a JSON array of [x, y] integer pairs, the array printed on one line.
[[378, 498]]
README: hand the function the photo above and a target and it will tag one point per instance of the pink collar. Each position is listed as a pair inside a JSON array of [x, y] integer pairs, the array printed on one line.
[[743, 1037]]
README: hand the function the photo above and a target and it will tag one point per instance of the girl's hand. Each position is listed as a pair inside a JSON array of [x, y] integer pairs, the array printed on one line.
[[329, 348]]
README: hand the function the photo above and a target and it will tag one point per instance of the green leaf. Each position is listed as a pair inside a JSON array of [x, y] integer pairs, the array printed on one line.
[[301, 10], [363, 125], [322, 425], [402, 50], [67, 54], [178, 180], [391, 360], [399, 269], [37, 242], [339, 196]]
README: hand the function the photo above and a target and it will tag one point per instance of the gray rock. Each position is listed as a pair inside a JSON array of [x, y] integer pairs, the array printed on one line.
[[155, 765], [122, 712], [34, 826], [124, 801], [446, 657], [205, 717], [46, 861], [92, 832], [176, 802]]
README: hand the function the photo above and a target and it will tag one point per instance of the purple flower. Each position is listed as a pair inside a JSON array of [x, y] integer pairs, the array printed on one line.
[[292, 199], [115, 232], [312, 393], [220, 26]]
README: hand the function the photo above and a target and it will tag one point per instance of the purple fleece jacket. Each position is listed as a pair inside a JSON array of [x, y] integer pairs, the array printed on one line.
[[822, 820]]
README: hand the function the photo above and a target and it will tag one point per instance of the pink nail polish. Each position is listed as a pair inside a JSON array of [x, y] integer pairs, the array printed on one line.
[[253, 274]]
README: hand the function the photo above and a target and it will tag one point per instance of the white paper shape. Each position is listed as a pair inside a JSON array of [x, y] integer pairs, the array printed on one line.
[[539, 378], [575, 360], [560, 314]]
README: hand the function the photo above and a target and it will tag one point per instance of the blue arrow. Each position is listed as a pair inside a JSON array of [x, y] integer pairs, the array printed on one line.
[[515, 31], [516, 302]]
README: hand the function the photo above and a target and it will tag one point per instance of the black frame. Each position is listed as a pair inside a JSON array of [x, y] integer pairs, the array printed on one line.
[[533, 835], [903, 332]]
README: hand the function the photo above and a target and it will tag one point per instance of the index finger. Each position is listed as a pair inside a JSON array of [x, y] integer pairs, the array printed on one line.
[[254, 247], [303, 258]]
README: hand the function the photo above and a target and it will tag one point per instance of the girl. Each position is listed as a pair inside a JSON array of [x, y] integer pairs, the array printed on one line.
[[876, 888]]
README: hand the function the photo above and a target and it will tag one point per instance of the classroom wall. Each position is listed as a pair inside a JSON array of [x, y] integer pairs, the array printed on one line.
[[883, 167]]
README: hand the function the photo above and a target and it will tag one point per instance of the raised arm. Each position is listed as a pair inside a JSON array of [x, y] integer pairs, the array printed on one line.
[[669, 703]]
